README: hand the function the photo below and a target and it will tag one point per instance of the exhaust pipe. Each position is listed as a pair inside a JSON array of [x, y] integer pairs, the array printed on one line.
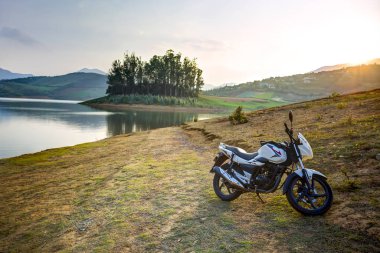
[[233, 181]]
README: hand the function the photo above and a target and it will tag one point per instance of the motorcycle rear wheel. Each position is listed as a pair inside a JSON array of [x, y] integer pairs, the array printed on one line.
[[222, 188]]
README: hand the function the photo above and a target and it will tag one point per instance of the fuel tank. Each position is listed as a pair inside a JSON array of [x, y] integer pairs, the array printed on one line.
[[272, 153]]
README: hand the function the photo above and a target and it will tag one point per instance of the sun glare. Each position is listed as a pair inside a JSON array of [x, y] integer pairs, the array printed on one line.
[[359, 61]]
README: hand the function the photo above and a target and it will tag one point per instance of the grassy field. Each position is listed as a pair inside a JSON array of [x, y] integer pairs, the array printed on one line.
[[152, 192], [211, 102], [232, 103]]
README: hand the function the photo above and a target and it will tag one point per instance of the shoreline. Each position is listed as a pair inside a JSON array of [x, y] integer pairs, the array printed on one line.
[[158, 108]]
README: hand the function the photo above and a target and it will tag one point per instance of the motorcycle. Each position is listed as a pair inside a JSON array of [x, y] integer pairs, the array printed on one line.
[[238, 172]]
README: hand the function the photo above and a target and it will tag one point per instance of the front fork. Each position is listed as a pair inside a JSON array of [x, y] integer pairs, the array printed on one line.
[[308, 179]]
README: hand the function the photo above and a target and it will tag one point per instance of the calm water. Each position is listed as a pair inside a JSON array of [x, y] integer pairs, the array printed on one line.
[[31, 125]]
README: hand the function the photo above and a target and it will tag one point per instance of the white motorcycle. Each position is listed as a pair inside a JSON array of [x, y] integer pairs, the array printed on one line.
[[237, 172]]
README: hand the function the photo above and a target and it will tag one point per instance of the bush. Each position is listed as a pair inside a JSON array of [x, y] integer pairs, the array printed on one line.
[[334, 95], [146, 99], [341, 105], [238, 117]]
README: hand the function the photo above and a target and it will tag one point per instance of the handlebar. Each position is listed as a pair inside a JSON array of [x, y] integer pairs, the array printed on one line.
[[286, 127], [289, 132]]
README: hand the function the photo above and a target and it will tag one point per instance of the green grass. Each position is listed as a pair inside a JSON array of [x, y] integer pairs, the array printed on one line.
[[256, 94], [218, 102], [200, 102]]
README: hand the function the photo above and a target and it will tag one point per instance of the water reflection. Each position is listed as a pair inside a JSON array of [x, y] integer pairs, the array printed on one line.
[[30, 126], [135, 121]]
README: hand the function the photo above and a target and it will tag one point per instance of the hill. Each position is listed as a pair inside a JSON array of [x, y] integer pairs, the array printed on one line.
[[306, 86], [115, 195], [330, 68], [345, 65], [73, 86], [96, 71], [6, 74]]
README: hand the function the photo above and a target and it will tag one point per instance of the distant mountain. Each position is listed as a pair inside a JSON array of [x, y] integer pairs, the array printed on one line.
[[6, 74], [96, 71], [73, 86], [306, 86], [331, 68], [344, 65]]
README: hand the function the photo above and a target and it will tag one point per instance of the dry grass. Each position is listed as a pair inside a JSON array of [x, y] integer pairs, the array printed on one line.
[[151, 191], [345, 142]]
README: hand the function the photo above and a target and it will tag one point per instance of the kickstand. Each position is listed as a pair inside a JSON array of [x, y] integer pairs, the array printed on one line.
[[258, 195]]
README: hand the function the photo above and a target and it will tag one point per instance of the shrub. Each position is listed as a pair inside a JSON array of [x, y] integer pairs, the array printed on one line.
[[341, 105], [238, 117], [334, 95], [147, 99]]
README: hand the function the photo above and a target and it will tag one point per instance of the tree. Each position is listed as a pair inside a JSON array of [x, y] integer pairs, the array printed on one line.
[[165, 75], [115, 79]]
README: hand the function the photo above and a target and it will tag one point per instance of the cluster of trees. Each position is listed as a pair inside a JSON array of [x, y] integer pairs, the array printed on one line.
[[166, 75]]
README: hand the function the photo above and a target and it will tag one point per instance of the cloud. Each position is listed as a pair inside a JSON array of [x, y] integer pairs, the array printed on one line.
[[206, 45], [16, 35]]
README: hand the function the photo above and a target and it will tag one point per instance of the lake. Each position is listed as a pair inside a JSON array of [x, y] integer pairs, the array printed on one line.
[[32, 125]]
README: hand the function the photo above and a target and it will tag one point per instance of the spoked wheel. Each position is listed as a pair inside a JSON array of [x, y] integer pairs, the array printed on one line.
[[308, 201], [224, 190]]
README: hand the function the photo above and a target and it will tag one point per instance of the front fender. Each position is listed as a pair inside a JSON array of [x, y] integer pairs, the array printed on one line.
[[298, 173]]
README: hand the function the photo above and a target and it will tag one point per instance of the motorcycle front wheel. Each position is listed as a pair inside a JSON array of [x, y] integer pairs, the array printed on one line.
[[223, 189], [307, 201]]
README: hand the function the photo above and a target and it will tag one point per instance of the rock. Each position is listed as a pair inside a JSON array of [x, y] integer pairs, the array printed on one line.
[[202, 220], [378, 157], [84, 224]]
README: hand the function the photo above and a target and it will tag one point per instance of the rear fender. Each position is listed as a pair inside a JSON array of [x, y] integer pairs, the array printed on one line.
[[298, 173], [219, 159]]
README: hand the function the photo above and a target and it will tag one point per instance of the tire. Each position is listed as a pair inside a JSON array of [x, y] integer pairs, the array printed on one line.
[[307, 203], [222, 189]]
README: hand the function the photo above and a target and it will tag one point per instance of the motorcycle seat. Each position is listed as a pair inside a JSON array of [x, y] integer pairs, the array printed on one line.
[[241, 152]]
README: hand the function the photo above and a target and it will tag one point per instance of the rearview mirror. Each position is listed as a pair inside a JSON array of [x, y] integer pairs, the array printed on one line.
[[291, 116]]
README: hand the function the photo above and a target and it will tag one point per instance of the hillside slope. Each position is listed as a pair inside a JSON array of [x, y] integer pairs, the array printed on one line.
[[6, 74], [151, 191], [307, 86], [74, 86], [330, 68]]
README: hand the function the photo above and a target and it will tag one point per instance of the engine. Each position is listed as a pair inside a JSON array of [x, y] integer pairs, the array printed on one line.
[[262, 180], [265, 178]]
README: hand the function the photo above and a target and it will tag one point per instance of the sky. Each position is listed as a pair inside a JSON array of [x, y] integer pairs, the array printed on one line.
[[234, 41]]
